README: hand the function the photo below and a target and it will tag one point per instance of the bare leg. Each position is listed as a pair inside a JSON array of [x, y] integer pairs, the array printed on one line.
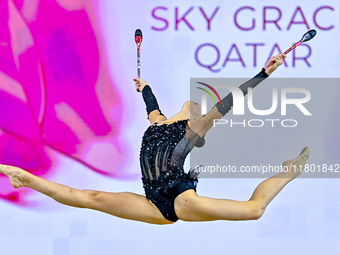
[[124, 205], [190, 207]]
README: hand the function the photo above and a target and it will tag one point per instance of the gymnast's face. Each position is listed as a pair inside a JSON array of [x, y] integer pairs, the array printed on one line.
[[192, 110]]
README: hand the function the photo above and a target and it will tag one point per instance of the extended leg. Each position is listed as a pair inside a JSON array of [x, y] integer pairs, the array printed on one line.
[[190, 207], [124, 205]]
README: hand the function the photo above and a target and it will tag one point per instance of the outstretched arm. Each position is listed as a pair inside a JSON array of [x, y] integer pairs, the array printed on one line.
[[202, 125], [152, 107]]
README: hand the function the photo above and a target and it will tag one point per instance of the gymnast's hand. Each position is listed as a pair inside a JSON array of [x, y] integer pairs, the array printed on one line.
[[140, 84], [278, 59]]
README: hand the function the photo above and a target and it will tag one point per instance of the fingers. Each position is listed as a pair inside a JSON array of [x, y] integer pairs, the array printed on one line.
[[278, 59], [140, 83], [137, 83], [139, 80], [281, 55], [272, 59]]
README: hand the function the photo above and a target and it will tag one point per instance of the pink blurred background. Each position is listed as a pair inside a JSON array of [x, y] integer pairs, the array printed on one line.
[[56, 91]]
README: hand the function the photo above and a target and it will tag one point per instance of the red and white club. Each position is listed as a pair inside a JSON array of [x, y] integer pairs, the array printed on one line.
[[138, 40], [306, 37]]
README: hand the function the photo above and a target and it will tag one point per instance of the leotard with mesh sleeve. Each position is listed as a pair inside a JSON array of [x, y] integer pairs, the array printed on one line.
[[165, 147], [163, 152]]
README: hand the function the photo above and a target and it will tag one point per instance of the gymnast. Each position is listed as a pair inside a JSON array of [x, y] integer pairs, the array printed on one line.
[[170, 192]]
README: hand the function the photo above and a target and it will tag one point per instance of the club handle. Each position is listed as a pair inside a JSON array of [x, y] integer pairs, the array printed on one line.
[[138, 40], [286, 52], [138, 62]]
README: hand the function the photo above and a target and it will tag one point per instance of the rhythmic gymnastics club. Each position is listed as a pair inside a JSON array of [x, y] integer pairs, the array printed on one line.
[[138, 40], [306, 37]]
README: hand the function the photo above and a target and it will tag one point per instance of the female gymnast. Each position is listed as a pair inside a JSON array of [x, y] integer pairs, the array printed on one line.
[[170, 192]]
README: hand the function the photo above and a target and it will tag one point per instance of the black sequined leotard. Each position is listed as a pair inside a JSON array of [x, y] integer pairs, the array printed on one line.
[[165, 147], [163, 152]]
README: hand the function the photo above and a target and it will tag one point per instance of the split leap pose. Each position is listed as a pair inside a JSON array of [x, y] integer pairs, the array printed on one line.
[[170, 192]]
